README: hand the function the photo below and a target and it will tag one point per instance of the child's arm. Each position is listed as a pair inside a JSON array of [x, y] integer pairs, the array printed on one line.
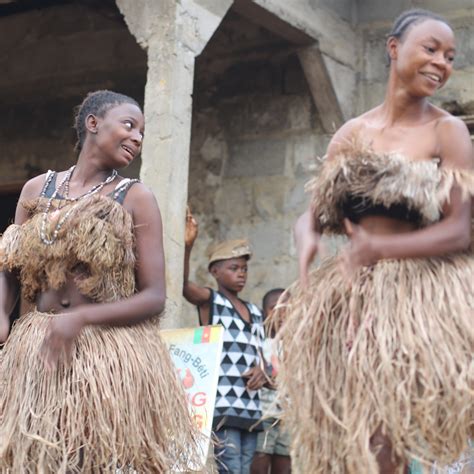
[[193, 293]]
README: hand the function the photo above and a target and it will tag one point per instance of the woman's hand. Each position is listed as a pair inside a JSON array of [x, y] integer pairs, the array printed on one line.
[[191, 231], [4, 328], [308, 243], [362, 250], [58, 342]]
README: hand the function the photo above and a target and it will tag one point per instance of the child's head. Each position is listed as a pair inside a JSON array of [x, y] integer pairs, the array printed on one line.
[[228, 264], [270, 300]]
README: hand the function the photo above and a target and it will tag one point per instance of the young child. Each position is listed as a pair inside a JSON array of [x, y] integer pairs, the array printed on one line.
[[241, 374], [273, 444]]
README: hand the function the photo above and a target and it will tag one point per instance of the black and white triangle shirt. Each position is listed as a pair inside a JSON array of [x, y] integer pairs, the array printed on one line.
[[237, 406]]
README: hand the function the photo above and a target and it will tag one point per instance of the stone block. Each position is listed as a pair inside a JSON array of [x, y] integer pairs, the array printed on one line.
[[460, 88], [465, 44], [300, 113], [374, 61], [214, 149], [267, 237], [297, 200], [248, 77], [303, 151], [269, 196], [233, 201], [256, 115], [261, 157], [343, 8]]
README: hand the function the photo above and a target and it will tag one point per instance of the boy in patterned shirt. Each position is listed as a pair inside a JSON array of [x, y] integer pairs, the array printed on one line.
[[237, 410]]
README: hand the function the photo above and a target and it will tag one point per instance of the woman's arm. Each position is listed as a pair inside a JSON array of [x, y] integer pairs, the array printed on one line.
[[307, 237], [451, 234], [307, 229], [9, 292], [149, 270], [9, 284]]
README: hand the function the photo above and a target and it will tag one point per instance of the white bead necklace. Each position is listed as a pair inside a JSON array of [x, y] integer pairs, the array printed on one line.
[[65, 184]]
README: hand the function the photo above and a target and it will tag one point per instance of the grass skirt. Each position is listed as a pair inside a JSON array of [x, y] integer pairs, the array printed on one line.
[[117, 404], [390, 350]]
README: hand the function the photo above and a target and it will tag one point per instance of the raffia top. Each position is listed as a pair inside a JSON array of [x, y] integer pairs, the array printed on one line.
[[383, 180], [95, 245]]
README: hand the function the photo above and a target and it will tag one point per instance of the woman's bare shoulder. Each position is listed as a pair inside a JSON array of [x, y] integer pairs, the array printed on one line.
[[347, 134], [33, 187], [140, 200], [454, 142]]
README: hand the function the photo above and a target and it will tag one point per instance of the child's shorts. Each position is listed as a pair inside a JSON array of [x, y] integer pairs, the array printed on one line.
[[273, 439]]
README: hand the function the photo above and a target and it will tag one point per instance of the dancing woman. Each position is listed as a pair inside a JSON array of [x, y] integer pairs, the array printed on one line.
[[87, 385], [377, 365]]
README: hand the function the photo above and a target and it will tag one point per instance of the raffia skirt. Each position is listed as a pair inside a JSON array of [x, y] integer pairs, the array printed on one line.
[[117, 406], [390, 350]]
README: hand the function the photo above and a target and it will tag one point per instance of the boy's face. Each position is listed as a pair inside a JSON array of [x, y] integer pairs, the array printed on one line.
[[231, 274], [270, 304]]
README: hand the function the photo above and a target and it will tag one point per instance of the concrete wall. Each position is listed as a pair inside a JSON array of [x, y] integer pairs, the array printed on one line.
[[255, 133], [50, 59]]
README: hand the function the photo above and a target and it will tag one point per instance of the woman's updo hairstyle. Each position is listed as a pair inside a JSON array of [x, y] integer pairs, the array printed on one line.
[[410, 18], [97, 103]]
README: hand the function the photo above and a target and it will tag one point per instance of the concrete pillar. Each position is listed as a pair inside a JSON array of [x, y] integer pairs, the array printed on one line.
[[173, 33]]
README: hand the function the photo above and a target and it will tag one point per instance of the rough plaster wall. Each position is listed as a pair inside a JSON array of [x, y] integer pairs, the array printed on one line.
[[320, 19], [345, 9], [255, 134], [51, 58], [34, 138], [376, 18], [331, 23], [383, 10]]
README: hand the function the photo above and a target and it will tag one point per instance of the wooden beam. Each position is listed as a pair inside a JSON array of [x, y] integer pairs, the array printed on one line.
[[321, 88], [261, 16]]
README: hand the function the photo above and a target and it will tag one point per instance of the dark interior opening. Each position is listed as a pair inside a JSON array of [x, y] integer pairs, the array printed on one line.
[[7, 216], [7, 210]]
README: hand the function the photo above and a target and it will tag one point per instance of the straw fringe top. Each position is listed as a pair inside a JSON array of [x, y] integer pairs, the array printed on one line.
[[95, 245], [384, 179]]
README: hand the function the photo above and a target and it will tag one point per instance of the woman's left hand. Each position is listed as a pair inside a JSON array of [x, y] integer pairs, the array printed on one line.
[[62, 332], [362, 250]]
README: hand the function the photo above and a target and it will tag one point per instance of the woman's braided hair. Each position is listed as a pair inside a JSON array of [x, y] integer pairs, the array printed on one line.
[[97, 103], [410, 18]]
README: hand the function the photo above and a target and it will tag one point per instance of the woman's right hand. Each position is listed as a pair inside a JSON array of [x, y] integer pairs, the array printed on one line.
[[191, 231], [308, 243], [4, 328], [62, 332]]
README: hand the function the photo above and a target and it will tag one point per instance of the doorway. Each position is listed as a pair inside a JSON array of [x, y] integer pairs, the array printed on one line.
[[7, 209], [9, 194]]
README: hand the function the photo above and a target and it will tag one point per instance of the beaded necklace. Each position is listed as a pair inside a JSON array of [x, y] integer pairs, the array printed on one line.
[[65, 184]]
